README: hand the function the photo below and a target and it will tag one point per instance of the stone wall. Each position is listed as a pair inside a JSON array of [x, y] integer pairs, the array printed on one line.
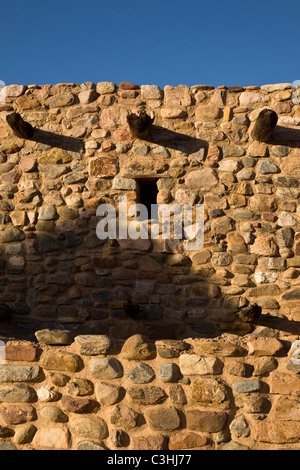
[[92, 392], [56, 274]]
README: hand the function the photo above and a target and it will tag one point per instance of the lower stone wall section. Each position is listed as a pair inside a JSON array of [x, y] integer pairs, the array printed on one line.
[[91, 392]]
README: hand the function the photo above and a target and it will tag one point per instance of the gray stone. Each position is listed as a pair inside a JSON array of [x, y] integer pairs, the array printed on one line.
[[140, 374], [47, 213], [127, 184], [17, 393], [169, 372], [247, 386], [11, 234], [54, 337], [266, 167], [239, 427], [7, 445], [88, 445], [47, 243], [105, 368], [142, 149], [15, 373], [74, 178]]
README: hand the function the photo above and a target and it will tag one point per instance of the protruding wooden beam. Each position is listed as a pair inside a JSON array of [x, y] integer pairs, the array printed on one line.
[[264, 125], [20, 128], [140, 124]]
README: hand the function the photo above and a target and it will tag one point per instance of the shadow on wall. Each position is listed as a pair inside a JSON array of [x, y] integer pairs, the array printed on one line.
[[75, 281]]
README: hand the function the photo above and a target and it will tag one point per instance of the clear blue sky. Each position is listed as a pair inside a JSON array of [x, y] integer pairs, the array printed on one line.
[[163, 42]]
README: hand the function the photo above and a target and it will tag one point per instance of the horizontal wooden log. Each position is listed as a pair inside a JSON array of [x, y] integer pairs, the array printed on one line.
[[264, 125], [20, 128]]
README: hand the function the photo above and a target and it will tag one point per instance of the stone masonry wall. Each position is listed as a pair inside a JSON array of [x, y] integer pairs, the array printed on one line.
[[182, 368]]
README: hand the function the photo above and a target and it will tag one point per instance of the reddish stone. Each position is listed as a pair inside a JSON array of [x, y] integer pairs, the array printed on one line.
[[156, 442], [77, 405], [277, 432], [11, 177], [206, 421], [128, 86], [53, 438], [104, 167], [20, 351], [16, 414], [131, 94], [28, 164], [284, 383], [121, 135], [186, 440]]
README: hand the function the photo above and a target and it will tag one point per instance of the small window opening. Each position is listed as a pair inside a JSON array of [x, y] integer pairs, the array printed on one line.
[[147, 189]]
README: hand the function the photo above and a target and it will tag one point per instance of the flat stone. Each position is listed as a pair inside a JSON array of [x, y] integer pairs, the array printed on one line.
[[54, 337], [15, 373], [138, 348], [193, 364], [266, 167], [17, 414], [277, 432], [13, 91], [101, 167], [163, 418], [88, 445], [105, 368], [52, 438], [62, 360], [204, 178], [284, 383], [62, 100], [20, 351], [105, 87], [177, 395], [147, 395], [247, 386], [152, 442], [140, 374], [73, 404], [265, 347], [17, 393], [206, 421], [74, 178], [151, 92], [276, 87], [219, 348], [187, 440], [93, 345], [89, 427], [126, 184]]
